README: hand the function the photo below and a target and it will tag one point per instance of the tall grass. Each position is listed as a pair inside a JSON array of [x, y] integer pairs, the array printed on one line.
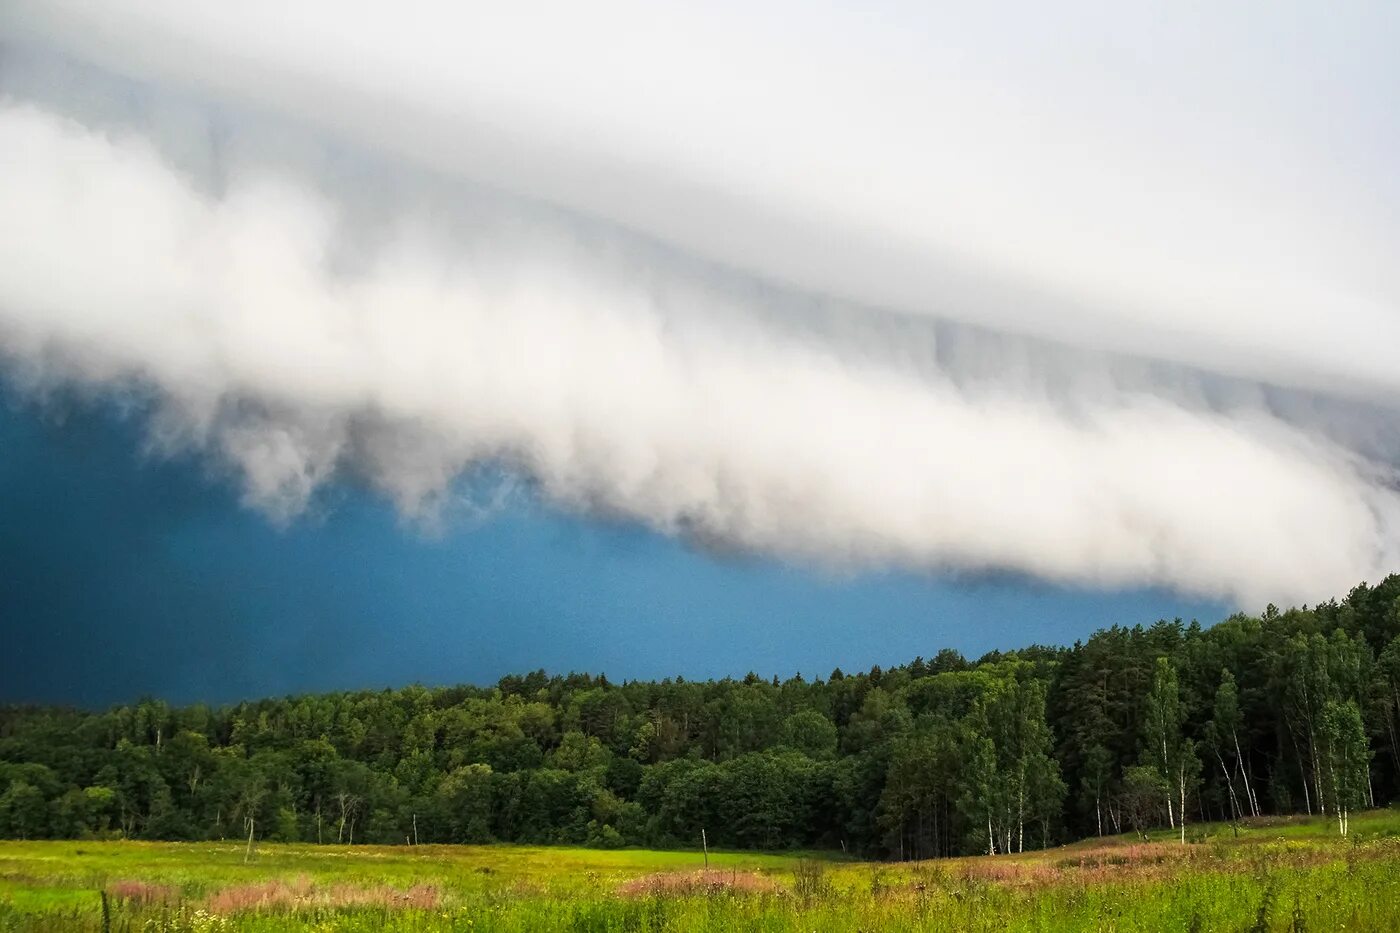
[[1282, 877]]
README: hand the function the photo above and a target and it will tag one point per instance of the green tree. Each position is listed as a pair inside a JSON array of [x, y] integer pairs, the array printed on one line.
[[23, 811], [1094, 781], [920, 786], [1010, 777], [1222, 738], [1346, 759], [1166, 748], [811, 733], [1140, 798], [465, 798]]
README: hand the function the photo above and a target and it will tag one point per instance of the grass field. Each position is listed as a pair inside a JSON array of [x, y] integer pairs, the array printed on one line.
[[1277, 875]]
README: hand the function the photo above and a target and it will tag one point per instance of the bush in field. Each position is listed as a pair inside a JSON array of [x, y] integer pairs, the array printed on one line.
[[809, 879]]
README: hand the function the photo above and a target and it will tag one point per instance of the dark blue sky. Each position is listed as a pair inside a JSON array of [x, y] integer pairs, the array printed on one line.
[[122, 575]]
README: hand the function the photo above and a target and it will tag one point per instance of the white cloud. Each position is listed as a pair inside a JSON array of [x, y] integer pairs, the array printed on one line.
[[628, 380]]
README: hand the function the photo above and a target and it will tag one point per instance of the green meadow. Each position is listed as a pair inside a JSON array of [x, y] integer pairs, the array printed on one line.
[[1271, 874]]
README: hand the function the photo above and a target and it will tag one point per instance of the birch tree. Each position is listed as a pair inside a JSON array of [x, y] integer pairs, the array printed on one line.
[[1222, 738], [1346, 759], [1165, 748]]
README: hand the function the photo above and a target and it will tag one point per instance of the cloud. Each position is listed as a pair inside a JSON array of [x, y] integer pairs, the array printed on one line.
[[1212, 188], [378, 252]]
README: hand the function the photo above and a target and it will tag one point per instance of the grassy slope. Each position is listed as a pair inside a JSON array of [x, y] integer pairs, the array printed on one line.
[[1296, 867]]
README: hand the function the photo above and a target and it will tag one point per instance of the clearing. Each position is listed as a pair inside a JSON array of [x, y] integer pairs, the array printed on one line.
[[1278, 874]]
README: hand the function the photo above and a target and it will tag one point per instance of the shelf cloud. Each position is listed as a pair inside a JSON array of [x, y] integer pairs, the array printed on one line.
[[878, 293]]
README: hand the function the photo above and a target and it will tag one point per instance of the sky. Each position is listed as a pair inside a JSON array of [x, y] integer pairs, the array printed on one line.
[[149, 578], [350, 345]]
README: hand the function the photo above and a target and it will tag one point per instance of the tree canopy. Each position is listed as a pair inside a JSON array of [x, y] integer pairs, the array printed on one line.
[[1287, 711]]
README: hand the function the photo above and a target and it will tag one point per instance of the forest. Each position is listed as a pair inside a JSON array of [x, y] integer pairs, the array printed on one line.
[[1132, 729]]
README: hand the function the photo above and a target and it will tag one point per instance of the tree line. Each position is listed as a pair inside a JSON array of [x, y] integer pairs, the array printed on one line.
[[1283, 712]]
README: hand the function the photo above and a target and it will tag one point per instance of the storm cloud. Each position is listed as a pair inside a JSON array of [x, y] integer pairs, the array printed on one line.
[[865, 293]]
